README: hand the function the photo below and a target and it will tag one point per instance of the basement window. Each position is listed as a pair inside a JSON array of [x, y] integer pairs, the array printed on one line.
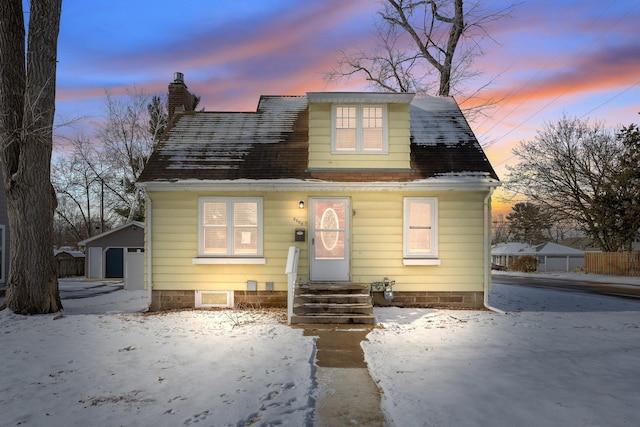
[[213, 299]]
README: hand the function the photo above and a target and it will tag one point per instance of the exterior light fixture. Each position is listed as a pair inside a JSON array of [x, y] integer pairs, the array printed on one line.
[[301, 204]]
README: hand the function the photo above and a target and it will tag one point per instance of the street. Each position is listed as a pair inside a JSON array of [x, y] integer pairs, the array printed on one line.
[[581, 286], [79, 287]]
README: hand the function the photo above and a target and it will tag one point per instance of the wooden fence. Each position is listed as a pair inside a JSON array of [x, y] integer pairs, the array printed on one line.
[[612, 263], [68, 267]]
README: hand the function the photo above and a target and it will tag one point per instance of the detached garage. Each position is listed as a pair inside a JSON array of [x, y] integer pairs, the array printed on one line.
[[118, 253]]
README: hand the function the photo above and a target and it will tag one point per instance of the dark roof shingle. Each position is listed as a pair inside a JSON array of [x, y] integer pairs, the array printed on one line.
[[272, 143]]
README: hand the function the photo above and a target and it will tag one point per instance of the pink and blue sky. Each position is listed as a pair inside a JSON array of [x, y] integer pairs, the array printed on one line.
[[579, 57]]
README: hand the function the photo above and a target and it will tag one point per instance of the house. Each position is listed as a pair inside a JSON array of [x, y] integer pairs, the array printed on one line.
[[504, 254], [367, 185], [555, 257], [550, 256], [117, 253]]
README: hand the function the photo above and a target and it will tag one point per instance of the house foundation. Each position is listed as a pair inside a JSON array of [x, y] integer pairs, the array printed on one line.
[[175, 300], [431, 299]]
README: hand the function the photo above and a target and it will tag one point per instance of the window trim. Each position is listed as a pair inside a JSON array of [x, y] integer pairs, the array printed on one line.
[[229, 255], [426, 258], [359, 128]]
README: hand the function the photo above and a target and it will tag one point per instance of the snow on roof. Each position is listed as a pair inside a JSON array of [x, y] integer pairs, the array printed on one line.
[[544, 249], [189, 144], [73, 253], [273, 143], [438, 120], [512, 248], [551, 248]]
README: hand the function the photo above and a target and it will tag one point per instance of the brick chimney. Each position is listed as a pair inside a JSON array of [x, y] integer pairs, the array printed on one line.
[[180, 99]]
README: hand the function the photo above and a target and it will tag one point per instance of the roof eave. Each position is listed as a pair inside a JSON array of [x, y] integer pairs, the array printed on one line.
[[449, 183]]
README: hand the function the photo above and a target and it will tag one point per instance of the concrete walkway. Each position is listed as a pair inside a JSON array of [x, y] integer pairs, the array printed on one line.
[[346, 393]]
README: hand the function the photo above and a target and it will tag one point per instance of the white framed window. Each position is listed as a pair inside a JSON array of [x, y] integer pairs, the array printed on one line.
[[420, 228], [359, 129], [230, 227]]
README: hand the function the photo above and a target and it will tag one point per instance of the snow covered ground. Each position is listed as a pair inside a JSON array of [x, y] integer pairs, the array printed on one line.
[[554, 359]]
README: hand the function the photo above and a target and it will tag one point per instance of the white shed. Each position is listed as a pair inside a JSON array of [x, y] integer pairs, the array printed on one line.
[[117, 253]]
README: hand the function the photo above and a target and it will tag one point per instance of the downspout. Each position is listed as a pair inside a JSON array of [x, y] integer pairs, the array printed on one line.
[[487, 251], [148, 234]]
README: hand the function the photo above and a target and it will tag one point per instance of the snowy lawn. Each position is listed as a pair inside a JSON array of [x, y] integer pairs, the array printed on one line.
[[555, 359], [97, 366]]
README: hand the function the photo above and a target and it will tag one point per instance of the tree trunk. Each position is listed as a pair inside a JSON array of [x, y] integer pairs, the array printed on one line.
[[26, 142]]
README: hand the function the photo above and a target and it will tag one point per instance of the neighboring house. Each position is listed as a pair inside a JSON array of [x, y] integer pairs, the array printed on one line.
[[117, 253], [504, 254], [367, 185], [555, 257], [551, 256], [4, 235]]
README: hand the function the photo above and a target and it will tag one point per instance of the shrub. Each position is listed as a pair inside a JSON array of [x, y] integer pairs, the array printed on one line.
[[525, 263]]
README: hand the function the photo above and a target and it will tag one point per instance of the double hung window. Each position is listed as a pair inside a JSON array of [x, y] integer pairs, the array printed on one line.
[[230, 227], [420, 227], [359, 129]]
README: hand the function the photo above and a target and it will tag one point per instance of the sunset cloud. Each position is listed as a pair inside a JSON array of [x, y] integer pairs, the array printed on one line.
[[550, 57]]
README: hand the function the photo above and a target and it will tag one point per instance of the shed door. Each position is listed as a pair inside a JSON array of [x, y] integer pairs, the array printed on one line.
[[134, 269], [115, 263], [329, 240]]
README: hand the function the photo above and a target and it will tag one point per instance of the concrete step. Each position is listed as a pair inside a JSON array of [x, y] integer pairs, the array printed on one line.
[[325, 319], [333, 303], [320, 308], [333, 299], [336, 288]]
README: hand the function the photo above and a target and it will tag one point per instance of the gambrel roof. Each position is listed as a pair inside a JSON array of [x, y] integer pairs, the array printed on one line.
[[272, 143]]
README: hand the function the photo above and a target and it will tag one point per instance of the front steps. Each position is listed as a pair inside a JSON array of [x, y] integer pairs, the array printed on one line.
[[332, 303]]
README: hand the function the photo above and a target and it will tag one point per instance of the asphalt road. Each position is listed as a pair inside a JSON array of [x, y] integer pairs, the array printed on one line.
[[75, 288], [612, 289]]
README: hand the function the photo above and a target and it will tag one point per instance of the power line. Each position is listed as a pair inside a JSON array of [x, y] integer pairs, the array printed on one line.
[[514, 109]]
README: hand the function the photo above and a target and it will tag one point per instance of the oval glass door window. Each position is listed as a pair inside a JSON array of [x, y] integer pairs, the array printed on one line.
[[329, 226]]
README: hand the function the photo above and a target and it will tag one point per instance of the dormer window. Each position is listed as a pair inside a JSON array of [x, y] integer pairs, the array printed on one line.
[[359, 129]]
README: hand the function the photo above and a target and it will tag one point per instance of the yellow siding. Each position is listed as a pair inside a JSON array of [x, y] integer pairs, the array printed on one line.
[[376, 242], [320, 156]]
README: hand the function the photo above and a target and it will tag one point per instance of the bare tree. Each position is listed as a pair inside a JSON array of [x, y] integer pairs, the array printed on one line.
[[158, 116], [27, 106], [84, 203], [127, 143], [425, 46], [584, 175]]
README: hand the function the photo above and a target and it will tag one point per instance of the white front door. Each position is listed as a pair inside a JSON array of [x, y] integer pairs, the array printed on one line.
[[329, 239]]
